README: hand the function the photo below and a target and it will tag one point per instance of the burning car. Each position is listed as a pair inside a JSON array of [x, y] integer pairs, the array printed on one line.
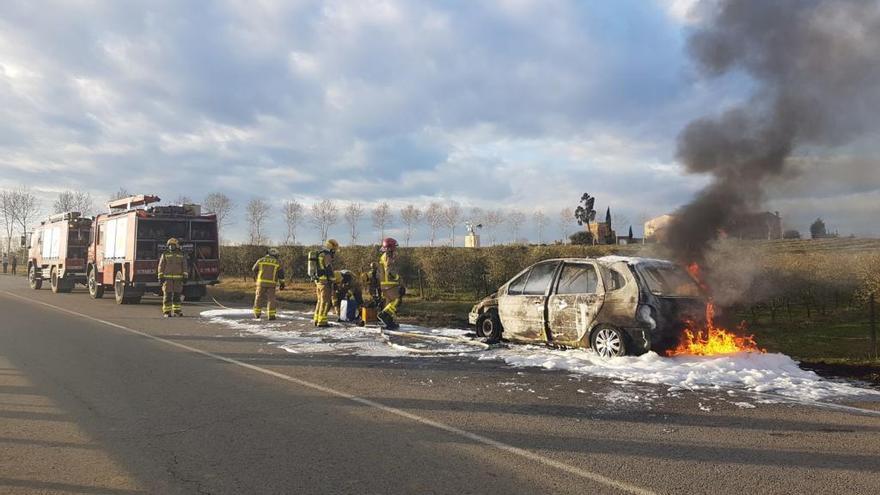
[[614, 305]]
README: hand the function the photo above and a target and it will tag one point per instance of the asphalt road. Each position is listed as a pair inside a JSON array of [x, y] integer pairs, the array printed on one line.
[[100, 398]]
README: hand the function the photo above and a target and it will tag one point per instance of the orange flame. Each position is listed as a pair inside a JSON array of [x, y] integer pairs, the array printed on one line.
[[712, 339]]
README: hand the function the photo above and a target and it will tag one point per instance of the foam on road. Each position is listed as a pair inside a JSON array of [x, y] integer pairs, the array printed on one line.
[[763, 373]]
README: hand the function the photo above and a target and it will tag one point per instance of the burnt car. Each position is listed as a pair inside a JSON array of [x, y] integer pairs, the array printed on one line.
[[614, 305]]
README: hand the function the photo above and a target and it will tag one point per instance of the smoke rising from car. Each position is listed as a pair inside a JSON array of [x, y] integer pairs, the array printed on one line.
[[817, 76]]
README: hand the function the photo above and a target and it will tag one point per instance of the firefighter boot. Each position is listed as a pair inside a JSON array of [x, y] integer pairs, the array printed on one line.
[[387, 320]]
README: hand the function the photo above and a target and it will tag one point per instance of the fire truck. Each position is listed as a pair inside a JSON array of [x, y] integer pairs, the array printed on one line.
[[126, 244], [57, 252]]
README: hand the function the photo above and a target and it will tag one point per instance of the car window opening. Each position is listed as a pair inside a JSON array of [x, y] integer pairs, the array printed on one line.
[[539, 279], [577, 279], [669, 281]]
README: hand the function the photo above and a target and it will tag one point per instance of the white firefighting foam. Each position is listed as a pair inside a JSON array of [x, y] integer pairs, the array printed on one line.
[[767, 373]]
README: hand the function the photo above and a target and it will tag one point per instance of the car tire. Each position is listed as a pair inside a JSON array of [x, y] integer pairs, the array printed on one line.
[[608, 342], [35, 281], [489, 326]]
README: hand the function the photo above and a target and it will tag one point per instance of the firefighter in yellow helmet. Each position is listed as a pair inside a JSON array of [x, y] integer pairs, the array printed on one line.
[[269, 274], [324, 282], [172, 274], [390, 284]]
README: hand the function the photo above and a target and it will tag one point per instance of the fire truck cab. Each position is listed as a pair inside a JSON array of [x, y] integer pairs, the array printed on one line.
[[126, 244], [57, 252]]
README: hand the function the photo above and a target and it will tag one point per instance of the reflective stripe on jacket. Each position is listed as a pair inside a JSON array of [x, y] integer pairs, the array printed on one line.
[[389, 276], [172, 265], [325, 266], [269, 271]]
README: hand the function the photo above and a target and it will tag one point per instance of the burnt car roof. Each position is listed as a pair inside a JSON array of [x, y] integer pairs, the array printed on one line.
[[630, 260]]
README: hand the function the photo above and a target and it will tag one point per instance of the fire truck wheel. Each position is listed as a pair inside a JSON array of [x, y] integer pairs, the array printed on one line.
[[96, 290], [125, 294], [59, 284], [35, 281]]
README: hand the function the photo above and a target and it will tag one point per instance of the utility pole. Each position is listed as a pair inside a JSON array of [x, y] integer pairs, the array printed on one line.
[[872, 303]]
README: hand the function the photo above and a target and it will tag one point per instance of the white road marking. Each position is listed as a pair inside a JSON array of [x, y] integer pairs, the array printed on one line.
[[583, 473]]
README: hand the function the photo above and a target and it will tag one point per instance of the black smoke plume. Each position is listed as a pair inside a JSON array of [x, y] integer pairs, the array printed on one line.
[[816, 69]]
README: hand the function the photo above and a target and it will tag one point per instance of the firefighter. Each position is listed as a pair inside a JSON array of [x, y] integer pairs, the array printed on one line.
[[391, 286], [172, 273], [324, 282], [347, 286], [269, 275]]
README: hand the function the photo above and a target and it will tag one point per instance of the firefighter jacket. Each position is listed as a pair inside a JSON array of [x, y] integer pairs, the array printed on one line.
[[325, 266], [268, 271], [172, 266], [388, 274]]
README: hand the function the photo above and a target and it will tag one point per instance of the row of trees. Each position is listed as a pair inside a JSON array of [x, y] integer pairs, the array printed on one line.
[[436, 217], [18, 210]]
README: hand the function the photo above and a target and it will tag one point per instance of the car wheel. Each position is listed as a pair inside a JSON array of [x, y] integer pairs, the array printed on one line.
[[35, 281], [608, 342], [96, 290], [489, 327]]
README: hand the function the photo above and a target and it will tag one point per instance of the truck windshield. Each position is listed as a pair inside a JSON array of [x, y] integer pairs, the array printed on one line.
[[669, 280]]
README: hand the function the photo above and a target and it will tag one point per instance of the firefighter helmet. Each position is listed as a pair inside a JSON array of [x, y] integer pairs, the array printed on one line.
[[331, 244], [173, 242], [389, 244], [273, 252]]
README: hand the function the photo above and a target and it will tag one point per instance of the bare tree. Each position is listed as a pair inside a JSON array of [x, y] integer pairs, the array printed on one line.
[[409, 216], [183, 200], [7, 215], [451, 217], [74, 201], [256, 212], [119, 194], [354, 212], [221, 206], [476, 215], [434, 218], [515, 218], [382, 218], [293, 214], [491, 221], [541, 222], [566, 219], [324, 215], [26, 208]]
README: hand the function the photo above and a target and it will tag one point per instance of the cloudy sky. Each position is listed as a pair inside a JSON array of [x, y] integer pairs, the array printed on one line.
[[506, 104]]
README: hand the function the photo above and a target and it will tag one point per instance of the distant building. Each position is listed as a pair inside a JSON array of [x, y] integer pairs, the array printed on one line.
[[602, 233], [472, 238], [655, 228], [764, 225]]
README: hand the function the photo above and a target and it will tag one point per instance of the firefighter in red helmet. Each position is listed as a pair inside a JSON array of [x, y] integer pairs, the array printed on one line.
[[390, 284]]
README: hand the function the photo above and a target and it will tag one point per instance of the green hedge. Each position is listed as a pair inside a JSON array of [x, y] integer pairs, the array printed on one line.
[[440, 272]]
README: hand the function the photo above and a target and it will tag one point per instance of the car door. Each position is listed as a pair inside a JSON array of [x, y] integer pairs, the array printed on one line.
[[574, 302], [523, 307]]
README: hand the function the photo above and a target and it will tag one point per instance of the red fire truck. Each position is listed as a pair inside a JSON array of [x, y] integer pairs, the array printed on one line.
[[126, 244], [57, 252]]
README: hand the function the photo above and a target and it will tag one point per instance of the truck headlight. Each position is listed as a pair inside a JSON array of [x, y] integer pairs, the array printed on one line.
[[644, 314]]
